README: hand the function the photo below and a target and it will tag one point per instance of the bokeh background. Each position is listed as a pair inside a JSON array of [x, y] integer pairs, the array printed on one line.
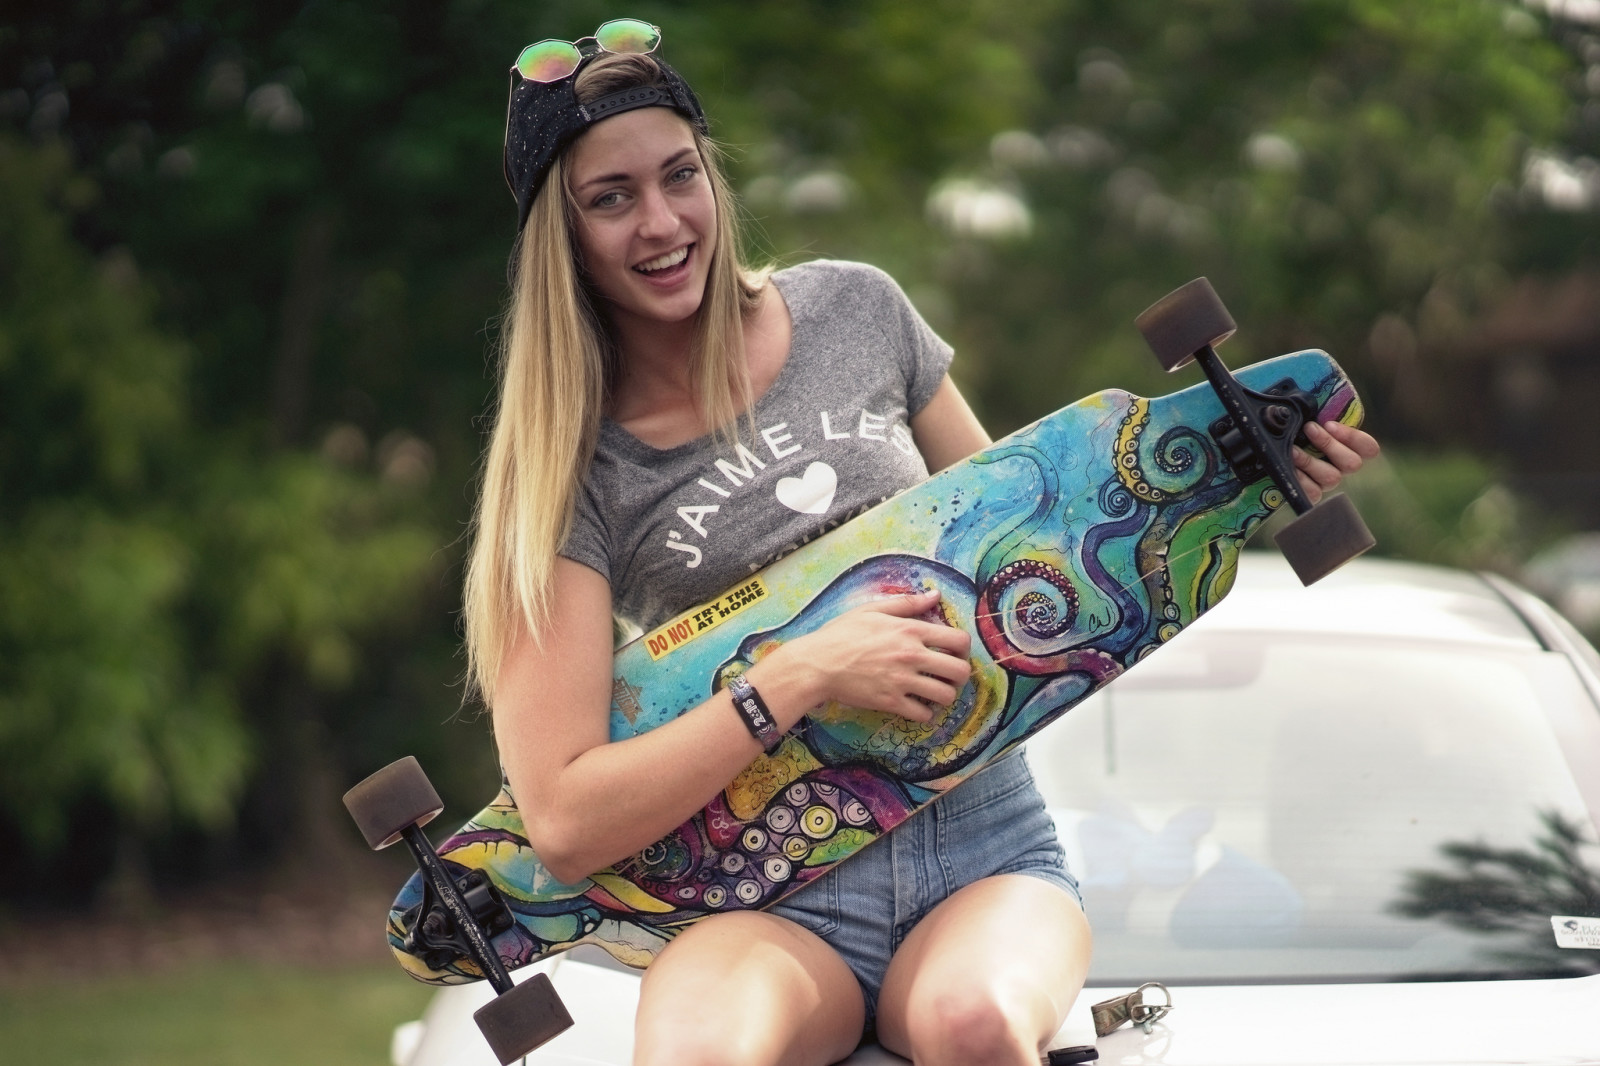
[[252, 255]]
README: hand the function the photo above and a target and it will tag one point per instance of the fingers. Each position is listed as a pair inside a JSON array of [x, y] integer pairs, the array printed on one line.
[[1344, 446], [907, 606], [944, 638], [912, 708], [944, 668], [1315, 475], [940, 636], [896, 654], [1344, 449]]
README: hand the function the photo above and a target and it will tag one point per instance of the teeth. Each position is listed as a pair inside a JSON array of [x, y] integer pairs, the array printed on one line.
[[671, 259]]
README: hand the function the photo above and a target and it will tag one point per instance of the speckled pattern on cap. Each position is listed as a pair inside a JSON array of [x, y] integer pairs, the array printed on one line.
[[542, 118]]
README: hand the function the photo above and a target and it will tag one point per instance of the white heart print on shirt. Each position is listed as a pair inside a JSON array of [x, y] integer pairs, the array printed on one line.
[[812, 492]]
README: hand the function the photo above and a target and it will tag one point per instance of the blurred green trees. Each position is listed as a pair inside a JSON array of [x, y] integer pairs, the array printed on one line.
[[251, 257], [151, 563]]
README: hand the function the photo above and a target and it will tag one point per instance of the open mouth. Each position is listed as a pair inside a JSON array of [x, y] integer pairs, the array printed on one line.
[[664, 264]]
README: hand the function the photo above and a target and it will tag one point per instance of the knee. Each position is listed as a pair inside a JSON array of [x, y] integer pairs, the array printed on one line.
[[974, 1029]]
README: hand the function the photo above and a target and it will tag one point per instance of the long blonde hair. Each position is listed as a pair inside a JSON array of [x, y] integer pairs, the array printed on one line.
[[557, 366]]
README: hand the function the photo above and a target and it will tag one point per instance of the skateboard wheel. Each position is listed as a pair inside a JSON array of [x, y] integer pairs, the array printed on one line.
[[391, 800], [516, 1022], [1324, 538], [1183, 321]]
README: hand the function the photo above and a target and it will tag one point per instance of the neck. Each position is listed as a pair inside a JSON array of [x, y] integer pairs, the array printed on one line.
[[655, 354], [654, 389]]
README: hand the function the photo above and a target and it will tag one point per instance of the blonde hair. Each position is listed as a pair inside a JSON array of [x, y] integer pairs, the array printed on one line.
[[557, 366]]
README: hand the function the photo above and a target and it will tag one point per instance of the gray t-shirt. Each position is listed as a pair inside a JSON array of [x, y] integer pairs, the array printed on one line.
[[672, 528]]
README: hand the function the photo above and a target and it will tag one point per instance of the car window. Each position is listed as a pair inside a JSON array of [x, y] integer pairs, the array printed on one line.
[[1255, 807]]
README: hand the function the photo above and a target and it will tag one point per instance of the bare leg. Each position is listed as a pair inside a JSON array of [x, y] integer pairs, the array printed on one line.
[[750, 989], [987, 977]]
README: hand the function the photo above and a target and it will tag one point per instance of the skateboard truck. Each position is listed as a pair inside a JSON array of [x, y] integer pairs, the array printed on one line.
[[1258, 434], [456, 916], [435, 936]]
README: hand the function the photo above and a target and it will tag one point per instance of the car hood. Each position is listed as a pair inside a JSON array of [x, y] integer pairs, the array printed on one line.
[[1474, 1023], [1457, 1023]]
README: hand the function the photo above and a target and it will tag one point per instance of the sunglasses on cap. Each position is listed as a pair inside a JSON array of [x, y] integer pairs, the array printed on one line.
[[543, 115], [552, 60]]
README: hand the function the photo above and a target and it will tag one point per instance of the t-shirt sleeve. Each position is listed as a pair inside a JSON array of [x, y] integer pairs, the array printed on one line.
[[586, 541], [924, 355]]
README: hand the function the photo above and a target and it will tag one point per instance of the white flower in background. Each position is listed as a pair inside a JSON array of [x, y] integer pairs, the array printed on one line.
[[819, 192], [971, 208], [1018, 149], [1587, 11], [1562, 184], [273, 105], [1272, 152]]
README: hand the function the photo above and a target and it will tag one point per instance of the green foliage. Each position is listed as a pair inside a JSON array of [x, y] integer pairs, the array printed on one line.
[[150, 565], [1450, 508], [1324, 163]]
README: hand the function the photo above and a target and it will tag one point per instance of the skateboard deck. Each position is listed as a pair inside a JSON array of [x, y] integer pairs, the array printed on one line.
[[1069, 551]]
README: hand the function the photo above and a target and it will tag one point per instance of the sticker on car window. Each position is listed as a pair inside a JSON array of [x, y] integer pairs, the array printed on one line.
[[1576, 932]]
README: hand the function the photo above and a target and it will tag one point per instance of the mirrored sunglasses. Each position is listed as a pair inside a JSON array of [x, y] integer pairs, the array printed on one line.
[[552, 60]]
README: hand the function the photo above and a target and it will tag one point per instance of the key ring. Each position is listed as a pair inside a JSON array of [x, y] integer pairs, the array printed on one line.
[[1110, 1014], [1145, 1015]]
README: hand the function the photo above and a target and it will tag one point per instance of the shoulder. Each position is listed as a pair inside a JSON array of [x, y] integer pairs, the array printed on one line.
[[834, 279]]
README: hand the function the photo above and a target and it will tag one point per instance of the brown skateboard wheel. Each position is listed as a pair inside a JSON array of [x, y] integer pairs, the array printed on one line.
[[1324, 538], [1185, 320], [516, 1022], [391, 800]]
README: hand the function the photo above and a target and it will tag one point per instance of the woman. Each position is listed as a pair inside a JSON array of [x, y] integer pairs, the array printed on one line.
[[657, 403]]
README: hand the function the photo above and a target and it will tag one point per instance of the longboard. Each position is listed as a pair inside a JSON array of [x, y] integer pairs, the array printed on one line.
[[1069, 551]]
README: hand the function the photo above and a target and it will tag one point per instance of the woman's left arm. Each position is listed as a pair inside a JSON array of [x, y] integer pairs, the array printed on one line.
[[946, 431]]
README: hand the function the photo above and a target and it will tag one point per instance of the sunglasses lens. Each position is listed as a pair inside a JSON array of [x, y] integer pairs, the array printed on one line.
[[548, 61], [628, 35]]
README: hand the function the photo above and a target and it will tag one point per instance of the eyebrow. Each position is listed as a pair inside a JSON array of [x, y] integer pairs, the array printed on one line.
[[670, 162]]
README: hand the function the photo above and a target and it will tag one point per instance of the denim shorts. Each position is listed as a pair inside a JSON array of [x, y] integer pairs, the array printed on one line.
[[993, 823]]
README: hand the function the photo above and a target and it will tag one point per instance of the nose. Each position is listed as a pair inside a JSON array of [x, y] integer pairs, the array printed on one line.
[[658, 219]]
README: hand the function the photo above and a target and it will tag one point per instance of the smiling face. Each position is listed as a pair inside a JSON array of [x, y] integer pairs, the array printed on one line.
[[646, 224]]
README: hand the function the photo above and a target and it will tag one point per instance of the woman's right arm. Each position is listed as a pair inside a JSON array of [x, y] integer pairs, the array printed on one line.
[[587, 802]]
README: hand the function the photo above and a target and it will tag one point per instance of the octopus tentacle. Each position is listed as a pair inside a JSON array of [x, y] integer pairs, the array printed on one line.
[[1049, 495], [1175, 454], [1045, 611]]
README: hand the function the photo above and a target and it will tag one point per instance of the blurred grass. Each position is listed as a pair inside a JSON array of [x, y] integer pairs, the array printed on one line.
[[211, 1014]]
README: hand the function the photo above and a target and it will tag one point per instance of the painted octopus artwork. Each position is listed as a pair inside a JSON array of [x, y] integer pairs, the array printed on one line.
[[1068, 551]]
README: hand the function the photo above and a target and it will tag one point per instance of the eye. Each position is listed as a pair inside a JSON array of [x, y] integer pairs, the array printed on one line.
[[608, 199], [683, 174]]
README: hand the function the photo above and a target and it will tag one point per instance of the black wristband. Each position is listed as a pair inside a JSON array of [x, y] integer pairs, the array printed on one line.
[[753, 710]]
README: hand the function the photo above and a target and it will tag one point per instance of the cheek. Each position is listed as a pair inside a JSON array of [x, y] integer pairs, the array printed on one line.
[[597, 250], [707, 221]]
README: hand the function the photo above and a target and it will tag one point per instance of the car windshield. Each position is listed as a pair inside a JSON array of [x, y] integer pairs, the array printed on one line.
[[1270, 807]]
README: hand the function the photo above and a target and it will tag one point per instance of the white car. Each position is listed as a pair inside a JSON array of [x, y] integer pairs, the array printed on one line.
[[1350, 824]]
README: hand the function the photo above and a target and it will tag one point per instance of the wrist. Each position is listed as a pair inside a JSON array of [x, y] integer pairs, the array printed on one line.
[[791, 684], [753, 710]]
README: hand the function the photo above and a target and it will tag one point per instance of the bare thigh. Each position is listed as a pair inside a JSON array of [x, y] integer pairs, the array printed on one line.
[[1009, 951], [747, 988]]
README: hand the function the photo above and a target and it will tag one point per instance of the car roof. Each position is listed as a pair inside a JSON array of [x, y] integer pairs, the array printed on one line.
[[1379, 599]]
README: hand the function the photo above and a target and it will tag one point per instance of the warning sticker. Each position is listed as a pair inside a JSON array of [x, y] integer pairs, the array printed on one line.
[[1576, 932], [684, 628]]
